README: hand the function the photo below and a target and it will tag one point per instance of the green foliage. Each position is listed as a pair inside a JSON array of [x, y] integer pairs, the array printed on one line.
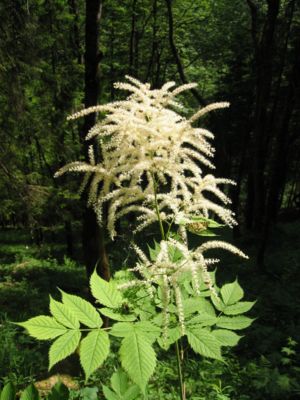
[[58, 392], [137, 354], [105, 292], [94, 349], [8, 392], [122, 389]]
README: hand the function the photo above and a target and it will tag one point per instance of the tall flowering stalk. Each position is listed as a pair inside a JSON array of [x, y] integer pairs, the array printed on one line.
[[152, 163], [151, 154]]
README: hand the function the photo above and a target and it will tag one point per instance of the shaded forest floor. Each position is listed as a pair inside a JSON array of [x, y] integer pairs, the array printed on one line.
[[267, 358]]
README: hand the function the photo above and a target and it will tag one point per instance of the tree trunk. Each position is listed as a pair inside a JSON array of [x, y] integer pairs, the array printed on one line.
[[93, 236], [280, 159], [176, 56], [263, 56]]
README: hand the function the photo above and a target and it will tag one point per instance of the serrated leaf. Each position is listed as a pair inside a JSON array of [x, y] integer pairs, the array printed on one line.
[[43, 327], [105, 292], [132, 393], [109, 394], [8, 392], [94, 349], [238, 308], [173, 335], [64, 346], [63, 314], [198, 304], [146, 328], [151, 331], [119, 382], [30, 393], [202, 319], [235, 323], [153, 252], [218, 303], [138, 358], [203, 342], [83, 310], [117, 316], [232, 293], [59, 392], [225, 337], [121, 329]]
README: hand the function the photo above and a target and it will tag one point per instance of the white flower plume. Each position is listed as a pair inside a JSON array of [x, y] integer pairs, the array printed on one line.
[[174, 260], [145, 143]]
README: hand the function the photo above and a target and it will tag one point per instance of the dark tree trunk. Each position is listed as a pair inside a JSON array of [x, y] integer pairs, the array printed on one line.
[[133, 41], [176, 56], [263, 55], [93, 236], [280, 158]]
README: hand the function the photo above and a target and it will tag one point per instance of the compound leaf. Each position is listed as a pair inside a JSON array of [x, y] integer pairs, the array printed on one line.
[[232, 293], [235, 323], [94, 349], [105, 292], [43, 327], [204, 342], [63, 314], [83, 310], [138, 358], [64, 346]]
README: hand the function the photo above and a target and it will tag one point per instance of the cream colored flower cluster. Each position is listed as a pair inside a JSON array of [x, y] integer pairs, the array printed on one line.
[[166, 272], [148, 148]]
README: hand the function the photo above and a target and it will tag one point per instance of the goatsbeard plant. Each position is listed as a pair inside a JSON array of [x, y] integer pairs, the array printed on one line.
[[151, 164]]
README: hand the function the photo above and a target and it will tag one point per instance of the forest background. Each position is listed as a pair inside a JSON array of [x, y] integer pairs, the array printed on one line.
[[58, 56]]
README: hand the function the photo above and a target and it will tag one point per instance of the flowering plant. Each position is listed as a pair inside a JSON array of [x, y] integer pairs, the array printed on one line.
[[151, 164]]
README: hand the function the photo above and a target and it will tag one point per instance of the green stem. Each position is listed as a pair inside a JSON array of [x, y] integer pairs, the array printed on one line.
[[164, 236], [181, 383], [161, 227]]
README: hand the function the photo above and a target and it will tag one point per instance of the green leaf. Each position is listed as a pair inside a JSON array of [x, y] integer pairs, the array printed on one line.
[[235, 323], [43, 327], [218, 303], [117, 316], [153, 252], [132, 393], [83, 310], [174, 254], [138, 358], [109, 394], [232, 293], [206, 232], [59, 392], [63, 314], [225, 337], [202, 319], [198, 304], [239, 308], [121, 329], [173, 335], [119, 382], [64, 346], [8, 392], [105, 292], [210, 222], [94, 349], [146, 328], [203, 342], [30, 393]]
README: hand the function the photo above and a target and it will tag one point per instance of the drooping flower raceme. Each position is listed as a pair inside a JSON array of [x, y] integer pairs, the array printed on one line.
[[147, 145], [173, 262]]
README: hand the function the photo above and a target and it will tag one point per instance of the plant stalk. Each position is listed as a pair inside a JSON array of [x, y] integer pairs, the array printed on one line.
[[178, 356], [181, 382]]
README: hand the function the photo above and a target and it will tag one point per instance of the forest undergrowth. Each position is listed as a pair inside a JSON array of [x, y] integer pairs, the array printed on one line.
[[265, 365]]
